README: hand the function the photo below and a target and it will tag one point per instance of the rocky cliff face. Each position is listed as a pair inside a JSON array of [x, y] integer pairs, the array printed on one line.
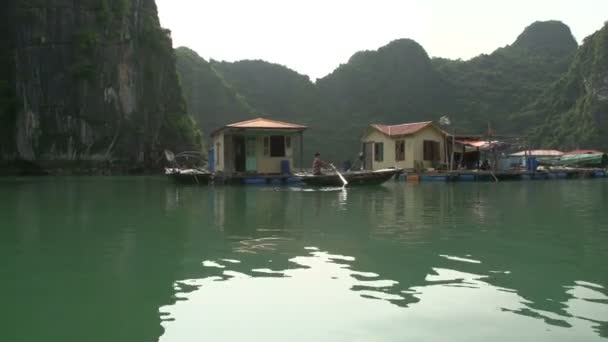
[[92, 80]]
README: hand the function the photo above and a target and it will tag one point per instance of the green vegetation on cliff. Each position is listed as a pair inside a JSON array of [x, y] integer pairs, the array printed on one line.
[[272, 89], [277, 92], [97, 82], [400, 83], [574, 111], [496, 88], [395, 84], [212, 102]]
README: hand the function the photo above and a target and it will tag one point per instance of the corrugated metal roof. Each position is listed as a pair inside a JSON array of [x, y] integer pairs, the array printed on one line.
[[539, 153], [403, 129]]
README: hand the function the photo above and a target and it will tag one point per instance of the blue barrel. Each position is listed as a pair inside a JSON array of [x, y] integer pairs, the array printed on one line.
[[254, 180], [285, 167], [532, 164]]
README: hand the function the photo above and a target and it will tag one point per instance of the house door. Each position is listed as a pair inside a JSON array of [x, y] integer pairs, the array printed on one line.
[[368, 155], [239, 153], [251, 162]]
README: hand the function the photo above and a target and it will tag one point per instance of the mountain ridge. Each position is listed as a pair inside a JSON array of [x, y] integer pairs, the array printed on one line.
[[399, 82]]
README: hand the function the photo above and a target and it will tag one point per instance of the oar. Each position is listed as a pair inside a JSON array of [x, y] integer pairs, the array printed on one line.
[[344, 182]]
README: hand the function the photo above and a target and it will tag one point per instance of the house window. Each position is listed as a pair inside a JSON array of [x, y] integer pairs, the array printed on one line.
[[400, 150], [217, 154], [277, 146], [378, 152], [266, 146], [431, 150]]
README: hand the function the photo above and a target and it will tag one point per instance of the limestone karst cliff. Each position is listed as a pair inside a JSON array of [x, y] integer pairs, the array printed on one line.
[[90, 80]]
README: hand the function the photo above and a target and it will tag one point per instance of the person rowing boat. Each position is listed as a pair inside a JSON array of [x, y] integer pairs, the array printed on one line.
[[317, 164]]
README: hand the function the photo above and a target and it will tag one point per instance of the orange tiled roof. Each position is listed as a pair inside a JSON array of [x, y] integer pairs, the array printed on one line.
[[261, 123], [265, 123], [403, 129]]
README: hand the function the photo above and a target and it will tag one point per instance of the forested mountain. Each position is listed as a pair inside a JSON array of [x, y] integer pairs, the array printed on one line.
[[574, 111], [90, 81], [272, 88], [280, 93], [212, 101], [539, 80], [395, 84], [494, 89]]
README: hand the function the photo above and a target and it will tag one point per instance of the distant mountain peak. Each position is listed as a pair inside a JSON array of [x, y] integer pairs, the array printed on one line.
[[547, 37], [401, 49]]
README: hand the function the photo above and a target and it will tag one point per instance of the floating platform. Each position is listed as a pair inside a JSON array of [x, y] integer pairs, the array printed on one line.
[[513, 175]]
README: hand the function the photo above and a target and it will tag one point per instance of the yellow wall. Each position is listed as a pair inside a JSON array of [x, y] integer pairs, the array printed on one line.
[[268, 164], [428, 133], [414, 147], [264, 164]]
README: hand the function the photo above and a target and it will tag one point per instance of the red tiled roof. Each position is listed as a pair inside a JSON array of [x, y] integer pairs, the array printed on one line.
[[262, 123], [403, 129]]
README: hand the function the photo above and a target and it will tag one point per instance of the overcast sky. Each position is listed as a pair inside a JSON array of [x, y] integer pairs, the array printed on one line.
[[313, 37]]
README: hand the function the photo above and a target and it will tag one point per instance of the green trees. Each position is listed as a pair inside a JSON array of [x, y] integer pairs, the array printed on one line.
[[212, 102], [542, 86], [574, 111], [496, 88]]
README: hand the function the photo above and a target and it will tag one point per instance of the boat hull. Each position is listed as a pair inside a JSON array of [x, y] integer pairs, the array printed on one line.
[[185, 177], [353, 178]]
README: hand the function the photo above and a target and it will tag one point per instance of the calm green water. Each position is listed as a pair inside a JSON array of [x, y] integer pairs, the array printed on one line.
[[138, 259]]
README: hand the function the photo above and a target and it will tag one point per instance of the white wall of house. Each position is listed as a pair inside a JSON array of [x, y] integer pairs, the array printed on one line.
[[414, 148]]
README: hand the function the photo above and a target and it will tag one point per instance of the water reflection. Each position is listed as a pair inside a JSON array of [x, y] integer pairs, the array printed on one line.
[[323, 292], [470, 261], [405, 243]]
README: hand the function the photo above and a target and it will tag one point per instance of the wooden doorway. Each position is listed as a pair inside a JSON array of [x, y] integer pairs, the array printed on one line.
[[239, 153]]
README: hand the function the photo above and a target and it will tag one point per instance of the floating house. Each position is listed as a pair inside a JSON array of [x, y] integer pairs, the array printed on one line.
[[408, 146], [255, 147]]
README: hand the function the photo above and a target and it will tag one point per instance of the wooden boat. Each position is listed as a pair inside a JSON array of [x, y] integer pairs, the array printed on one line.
[[354, 178], [584, 160], [183, 168], [189, 176]]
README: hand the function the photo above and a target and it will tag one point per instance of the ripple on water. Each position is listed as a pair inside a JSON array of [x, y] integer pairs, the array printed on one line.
[[323, 290]]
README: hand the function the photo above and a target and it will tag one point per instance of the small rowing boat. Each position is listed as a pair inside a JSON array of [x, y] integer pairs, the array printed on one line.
[[354, 178], [189, 176], [184, 169]]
